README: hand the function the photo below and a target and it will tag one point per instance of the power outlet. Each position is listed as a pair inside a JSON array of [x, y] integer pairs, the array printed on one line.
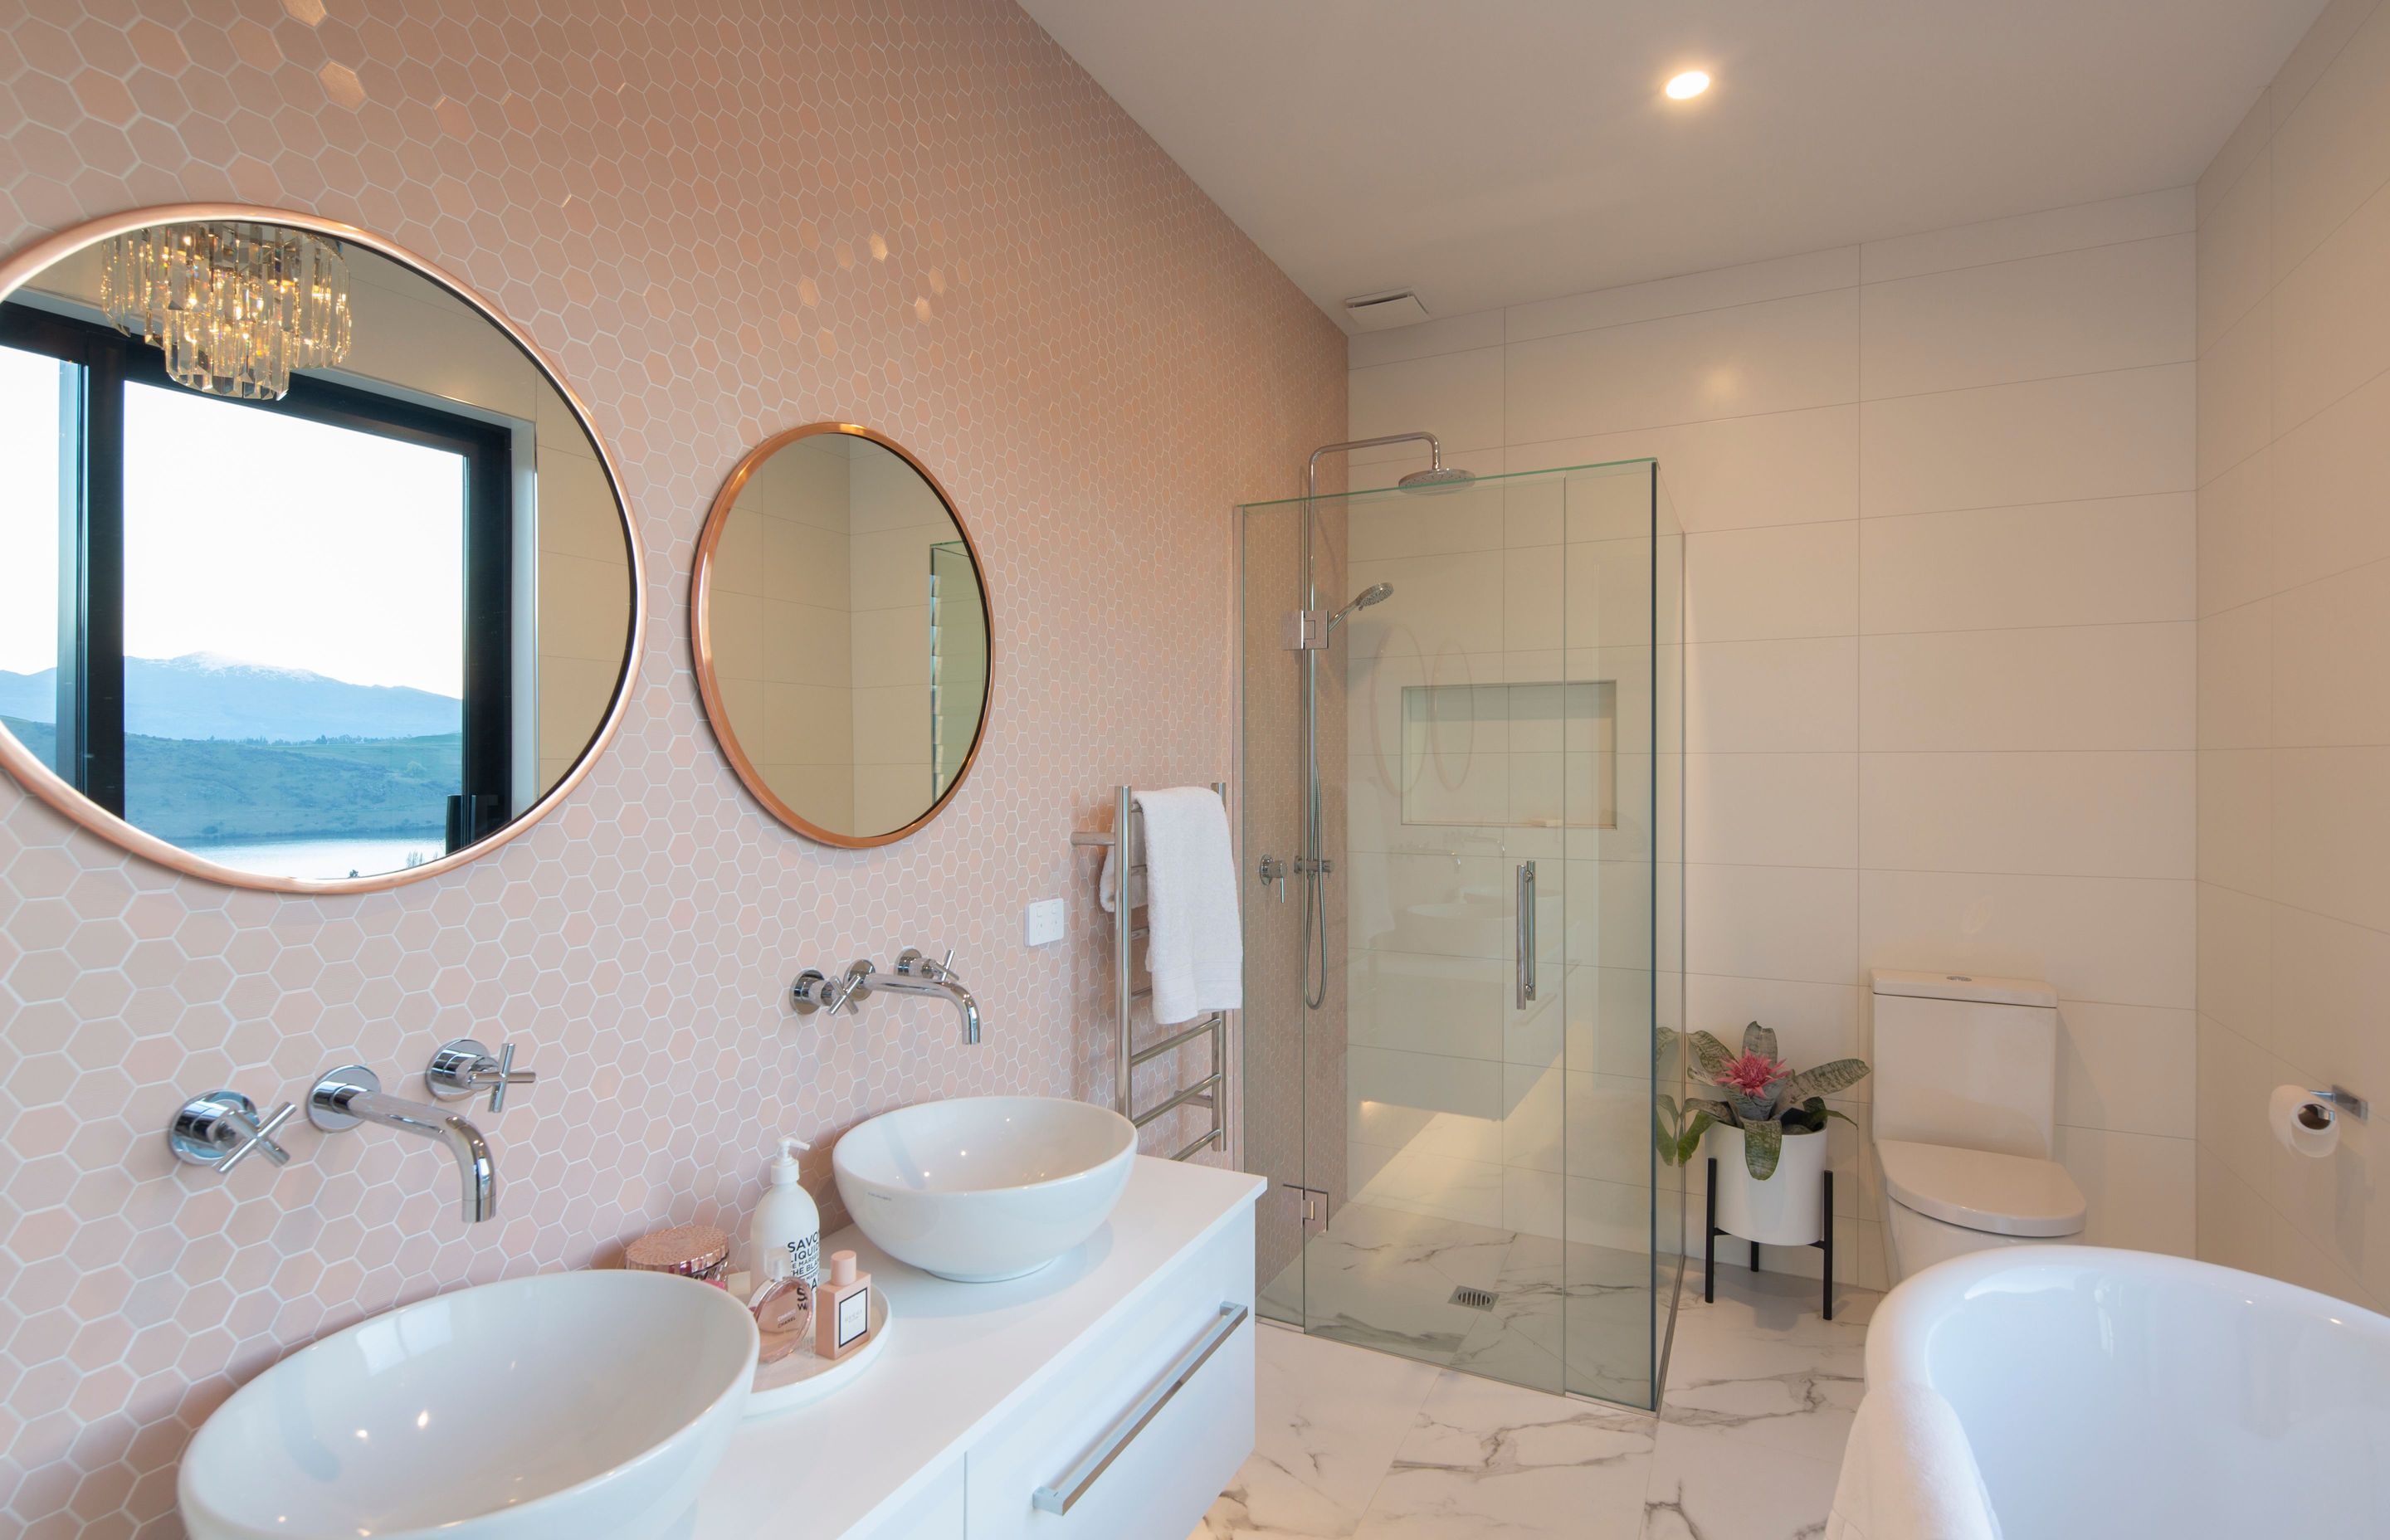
[[1043, 925]]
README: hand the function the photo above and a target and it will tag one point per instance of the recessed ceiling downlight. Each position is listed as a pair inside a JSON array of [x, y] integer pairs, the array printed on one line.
[[1692, 83]]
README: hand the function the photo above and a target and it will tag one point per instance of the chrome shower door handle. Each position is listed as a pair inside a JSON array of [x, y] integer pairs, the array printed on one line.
[[1527, 902]]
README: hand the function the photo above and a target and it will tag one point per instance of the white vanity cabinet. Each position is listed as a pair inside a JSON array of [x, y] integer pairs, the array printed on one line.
[[1109, 1397]]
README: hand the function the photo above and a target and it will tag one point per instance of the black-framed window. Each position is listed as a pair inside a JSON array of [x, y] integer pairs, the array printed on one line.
[[119, 417]]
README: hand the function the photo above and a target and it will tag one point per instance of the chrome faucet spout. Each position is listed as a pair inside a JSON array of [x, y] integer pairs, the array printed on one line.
[[349, 1096], [916, 975]]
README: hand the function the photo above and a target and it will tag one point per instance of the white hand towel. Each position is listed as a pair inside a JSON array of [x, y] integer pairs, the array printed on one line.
[[1909, 1472], [1195, 948]]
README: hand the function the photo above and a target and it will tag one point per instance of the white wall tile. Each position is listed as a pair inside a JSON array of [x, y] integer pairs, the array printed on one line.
[[2108, 435], [2110, 307], [2236, 958], [2332, 832], [2236, 405], [2072, 815], [2129, 1067], [2324, 489], [2139, 1190], [2332, 143], [1772, 922], [1481, 329], [2236, 677], [2236, 819], [2331, 318], [2237, 535], [2101, 686], [1796, 695], [1775, 356], [1795, 580], [2330, 660], [2127, 941], [1772, 810], [1456, 396], [1778, 467], [2120, 558], [2166, 212], [1810, 272], [2235, 252]]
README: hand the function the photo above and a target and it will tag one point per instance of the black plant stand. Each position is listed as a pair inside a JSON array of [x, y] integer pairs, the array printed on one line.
[[1825, 1242]]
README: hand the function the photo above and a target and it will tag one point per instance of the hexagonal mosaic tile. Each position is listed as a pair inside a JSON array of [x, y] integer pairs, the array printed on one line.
[[719, 220]]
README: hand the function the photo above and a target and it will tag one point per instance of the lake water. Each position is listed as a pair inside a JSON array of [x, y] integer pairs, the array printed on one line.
[[345, 855]]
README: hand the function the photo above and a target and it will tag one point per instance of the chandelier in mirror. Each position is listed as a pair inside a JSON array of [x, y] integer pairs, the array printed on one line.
[[234, 307]]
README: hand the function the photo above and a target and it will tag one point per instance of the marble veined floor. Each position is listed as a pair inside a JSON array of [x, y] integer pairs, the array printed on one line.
[[1382, 1278], [1746, 1447]]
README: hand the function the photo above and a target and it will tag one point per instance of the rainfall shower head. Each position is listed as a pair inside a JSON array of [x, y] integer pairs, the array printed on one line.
[[1441, 478], [1377, 592]]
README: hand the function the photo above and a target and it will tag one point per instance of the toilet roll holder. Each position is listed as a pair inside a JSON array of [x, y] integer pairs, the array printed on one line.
[[2322, 1108]]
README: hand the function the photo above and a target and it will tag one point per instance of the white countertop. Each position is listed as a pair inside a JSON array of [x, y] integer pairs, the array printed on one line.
[[960, 1353]]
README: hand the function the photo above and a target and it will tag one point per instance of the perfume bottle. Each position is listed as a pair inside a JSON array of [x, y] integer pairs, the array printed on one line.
[[783, 1311], [842, 1309]]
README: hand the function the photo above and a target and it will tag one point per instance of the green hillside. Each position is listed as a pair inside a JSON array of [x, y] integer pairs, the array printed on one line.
[[213, 789]]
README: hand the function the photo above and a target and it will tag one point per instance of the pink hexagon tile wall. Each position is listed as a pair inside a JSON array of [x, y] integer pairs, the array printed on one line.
[[720, 219]]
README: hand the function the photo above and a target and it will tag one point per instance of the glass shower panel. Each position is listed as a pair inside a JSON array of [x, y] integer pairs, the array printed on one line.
[[1473, 1122]]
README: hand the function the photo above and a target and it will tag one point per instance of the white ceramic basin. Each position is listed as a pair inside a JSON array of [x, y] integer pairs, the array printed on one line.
[[984, 1187], [571, 1404]]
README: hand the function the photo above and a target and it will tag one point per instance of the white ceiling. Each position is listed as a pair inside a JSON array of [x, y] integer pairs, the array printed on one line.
[[1491, 152]]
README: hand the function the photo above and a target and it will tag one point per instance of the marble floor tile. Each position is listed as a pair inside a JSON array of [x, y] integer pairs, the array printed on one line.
[[1356, 1445], [1329, 1420], [1720, 1483], [1485, 1458]]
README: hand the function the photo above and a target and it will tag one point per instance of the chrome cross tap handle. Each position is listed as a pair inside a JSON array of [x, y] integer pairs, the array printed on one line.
[[462, 1067], [817, 991], [222, 1129]]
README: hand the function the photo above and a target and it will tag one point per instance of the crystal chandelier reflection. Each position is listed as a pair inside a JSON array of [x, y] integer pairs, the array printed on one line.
[[234, 307]]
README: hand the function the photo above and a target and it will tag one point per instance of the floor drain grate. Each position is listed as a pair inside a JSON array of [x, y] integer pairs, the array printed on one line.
[[1475, 1298]]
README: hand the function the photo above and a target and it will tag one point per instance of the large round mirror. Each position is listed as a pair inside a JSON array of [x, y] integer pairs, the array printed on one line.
[[842, 638], [312, 576]]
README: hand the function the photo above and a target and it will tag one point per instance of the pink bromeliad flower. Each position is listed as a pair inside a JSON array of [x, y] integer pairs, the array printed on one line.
[[1753, 1076]]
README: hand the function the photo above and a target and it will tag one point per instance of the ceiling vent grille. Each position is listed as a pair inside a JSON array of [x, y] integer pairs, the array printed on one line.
[[1398, 307]]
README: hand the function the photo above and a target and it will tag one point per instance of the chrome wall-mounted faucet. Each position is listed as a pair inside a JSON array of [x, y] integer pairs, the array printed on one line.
[[915, 974], [462, 1068], [352, 1094], [222, 1129]]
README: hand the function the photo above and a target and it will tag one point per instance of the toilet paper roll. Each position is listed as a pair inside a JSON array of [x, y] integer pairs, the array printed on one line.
[[2293, 1110]]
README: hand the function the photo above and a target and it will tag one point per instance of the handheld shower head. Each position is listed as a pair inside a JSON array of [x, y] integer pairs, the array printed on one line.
[[1377, 592]]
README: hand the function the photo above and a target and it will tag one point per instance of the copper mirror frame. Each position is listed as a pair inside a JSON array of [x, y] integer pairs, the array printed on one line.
[[29, 772], [717, 713]]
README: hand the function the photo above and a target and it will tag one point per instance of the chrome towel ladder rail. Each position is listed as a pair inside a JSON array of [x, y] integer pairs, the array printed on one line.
[[1209, 1093]]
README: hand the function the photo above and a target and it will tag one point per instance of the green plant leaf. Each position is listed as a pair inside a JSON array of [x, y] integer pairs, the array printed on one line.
[[1717, 1111], [1826, 1079], [1709, 1056], [1844, 1116], [1691, 1140], [1665, 1120], [1665, 1041], [1763, 1143], [1759, 1040]]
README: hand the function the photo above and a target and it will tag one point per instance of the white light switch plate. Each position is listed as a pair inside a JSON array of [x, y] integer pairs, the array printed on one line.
[[1043, 922]]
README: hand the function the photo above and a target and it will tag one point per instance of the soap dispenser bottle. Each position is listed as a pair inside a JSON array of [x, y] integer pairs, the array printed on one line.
[[785, 1235]]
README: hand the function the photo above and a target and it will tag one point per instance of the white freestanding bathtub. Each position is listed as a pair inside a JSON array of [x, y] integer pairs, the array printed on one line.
[[2109, 1393]]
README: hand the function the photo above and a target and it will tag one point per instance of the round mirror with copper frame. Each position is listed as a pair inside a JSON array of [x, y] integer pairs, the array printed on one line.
[[324, 613], [843, 635]]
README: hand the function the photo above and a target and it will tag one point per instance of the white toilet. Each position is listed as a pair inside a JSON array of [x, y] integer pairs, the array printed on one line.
[[1966, 1092]]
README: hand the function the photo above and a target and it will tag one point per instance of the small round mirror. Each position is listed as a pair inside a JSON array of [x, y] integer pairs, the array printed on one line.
[[313, 575], [841, 635]]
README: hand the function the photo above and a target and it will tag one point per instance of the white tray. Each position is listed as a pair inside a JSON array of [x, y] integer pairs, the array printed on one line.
[[801, 1379]]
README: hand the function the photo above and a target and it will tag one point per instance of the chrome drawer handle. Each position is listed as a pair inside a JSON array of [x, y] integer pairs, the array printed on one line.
[[1075, 1485]]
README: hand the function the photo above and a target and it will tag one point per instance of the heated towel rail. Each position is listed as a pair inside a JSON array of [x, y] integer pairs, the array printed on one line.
[[1209, 1093]]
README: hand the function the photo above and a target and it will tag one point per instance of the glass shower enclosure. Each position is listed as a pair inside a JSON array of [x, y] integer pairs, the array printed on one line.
[[1460, 1133]]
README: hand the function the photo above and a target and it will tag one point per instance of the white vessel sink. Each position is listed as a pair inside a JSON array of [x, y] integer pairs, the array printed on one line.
[[982, 1188], [571, 1404]]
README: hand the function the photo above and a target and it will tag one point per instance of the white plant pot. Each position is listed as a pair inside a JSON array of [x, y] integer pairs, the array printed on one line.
[[1787, 1209]]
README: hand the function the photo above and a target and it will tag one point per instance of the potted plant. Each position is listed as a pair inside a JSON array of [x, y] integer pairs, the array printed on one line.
[[1766, 1129]]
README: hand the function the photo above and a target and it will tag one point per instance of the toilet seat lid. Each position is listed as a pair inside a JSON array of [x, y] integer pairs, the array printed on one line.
[[1980, 1190]]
